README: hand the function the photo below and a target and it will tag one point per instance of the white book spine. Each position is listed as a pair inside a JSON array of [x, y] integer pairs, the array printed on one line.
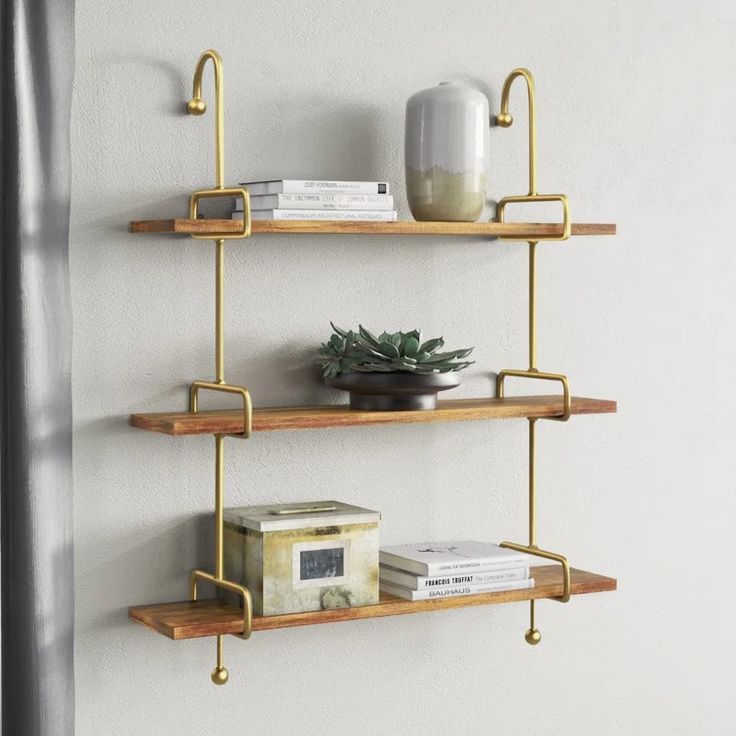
[[319, 202], [452, 591], [362, 215], [433, 569], [422, 582], [315, 186]]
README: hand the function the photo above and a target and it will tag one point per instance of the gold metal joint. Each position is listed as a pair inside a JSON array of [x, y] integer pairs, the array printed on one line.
[[555, 557], [562, 198], [542, 376], [244, 231], [228, 389], [228, 585]]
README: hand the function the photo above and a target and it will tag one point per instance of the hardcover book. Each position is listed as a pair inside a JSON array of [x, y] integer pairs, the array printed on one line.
[[318, 202], [421, 582], [315, 186], [364, 215], [436, 558], [449, 591]]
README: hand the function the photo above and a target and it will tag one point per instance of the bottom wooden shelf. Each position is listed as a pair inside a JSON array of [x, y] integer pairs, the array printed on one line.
[[188, 619]]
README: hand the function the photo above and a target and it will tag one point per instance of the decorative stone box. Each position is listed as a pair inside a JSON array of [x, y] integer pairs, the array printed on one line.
[[303, 557]]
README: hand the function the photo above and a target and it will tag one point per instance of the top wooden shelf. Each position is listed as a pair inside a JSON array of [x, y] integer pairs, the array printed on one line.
[[226, 421], [531, 230]]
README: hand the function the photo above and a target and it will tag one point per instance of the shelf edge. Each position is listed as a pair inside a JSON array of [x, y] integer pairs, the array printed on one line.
[[186, 619], [488, 229]]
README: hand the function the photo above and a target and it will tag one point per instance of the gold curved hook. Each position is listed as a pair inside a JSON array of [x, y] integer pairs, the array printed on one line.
[[505, 120], [197, 106]]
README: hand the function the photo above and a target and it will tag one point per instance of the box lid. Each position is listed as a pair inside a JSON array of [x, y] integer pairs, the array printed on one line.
[[278, 517]]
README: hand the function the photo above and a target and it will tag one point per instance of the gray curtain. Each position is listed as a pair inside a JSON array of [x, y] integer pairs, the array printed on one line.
[[37, 581]]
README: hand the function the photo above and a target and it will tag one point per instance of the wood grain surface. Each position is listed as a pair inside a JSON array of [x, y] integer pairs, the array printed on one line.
[[184, 226], [321, 417], [187, 620]]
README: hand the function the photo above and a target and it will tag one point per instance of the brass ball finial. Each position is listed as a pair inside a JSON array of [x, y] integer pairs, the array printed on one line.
[[533, 637], [196, 106], [220, 675], [504, 119]]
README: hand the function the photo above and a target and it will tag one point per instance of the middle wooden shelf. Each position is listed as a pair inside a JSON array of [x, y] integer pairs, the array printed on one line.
[[321, 417], [212, 617]]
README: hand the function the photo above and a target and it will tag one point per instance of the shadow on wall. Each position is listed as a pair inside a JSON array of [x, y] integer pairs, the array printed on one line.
[[150, 571], [325, 139], [148, 71]]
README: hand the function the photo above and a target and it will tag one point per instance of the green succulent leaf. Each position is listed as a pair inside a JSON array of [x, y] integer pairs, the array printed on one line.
[[338, 330], [411, 346], [388, 349], [431, 345], [368, 336], [451, 355], [395, 339]]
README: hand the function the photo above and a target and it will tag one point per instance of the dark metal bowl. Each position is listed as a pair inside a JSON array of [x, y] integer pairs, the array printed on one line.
[[394, 391]]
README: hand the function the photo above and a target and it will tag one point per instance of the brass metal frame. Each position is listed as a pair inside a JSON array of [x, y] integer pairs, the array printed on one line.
[[225, 388], [504, 120], [197, 106], [534, 373], [228, 585], [221, 192], [562, 198]]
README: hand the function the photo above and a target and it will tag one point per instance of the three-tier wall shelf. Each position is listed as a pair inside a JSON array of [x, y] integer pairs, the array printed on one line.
[[217, 617]]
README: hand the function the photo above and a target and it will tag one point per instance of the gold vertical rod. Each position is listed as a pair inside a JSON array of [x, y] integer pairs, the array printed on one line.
[[219, 124], [219, 505], [197, 106], [532, 306], [220, 639], [532, 484], [220, 311], [219, 674], [532, 635]]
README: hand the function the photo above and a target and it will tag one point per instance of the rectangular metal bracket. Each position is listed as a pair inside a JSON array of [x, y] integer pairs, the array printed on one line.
[[562, 198], [566, 396], [536, 552], [244, 232], [240, 590], [228, 389]]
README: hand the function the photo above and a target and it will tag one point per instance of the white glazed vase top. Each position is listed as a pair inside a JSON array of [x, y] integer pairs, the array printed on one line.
[[446, 150]]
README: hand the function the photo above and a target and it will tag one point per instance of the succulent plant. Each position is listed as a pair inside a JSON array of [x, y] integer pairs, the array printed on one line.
[[361, 352]]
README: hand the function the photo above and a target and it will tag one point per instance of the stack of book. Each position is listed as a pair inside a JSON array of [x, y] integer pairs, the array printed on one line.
[[439, 570], [299, 199]]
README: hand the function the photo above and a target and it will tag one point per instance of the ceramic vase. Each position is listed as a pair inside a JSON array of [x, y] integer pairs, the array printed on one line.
[[446, 151]]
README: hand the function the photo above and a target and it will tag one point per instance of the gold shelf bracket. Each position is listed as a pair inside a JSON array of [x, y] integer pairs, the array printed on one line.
[[197, 106], [504, 120]]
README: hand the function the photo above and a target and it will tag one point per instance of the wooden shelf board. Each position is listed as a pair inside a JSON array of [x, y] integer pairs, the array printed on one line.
[[321, 417], [188, 620], [183, 226]]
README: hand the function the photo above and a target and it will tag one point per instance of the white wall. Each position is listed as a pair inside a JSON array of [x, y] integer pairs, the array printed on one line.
[[636, 106]]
